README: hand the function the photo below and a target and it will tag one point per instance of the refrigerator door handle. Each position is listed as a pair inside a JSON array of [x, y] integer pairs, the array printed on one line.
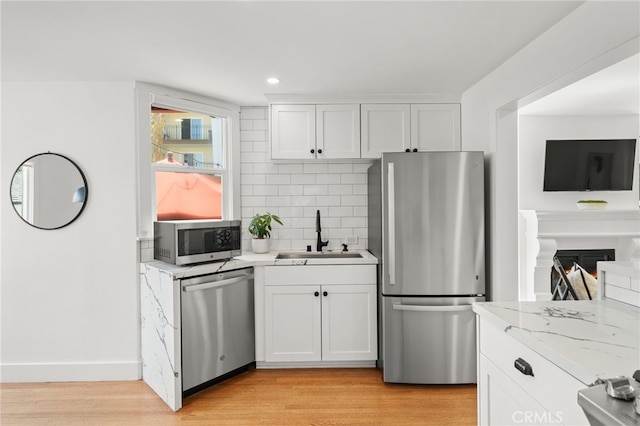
[[392, 223], [422, 308]]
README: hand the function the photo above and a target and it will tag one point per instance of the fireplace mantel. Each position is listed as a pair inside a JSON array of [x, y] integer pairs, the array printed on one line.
[[547, 231]]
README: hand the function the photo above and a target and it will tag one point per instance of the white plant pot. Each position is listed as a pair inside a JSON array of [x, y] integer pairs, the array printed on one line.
[[260, 245]]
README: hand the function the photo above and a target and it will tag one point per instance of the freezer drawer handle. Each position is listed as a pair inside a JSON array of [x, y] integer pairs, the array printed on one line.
[[421, 308], [212, 284], [523, 366]]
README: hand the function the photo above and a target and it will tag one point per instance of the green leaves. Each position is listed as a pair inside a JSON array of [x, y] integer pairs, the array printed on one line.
[[260, 225]]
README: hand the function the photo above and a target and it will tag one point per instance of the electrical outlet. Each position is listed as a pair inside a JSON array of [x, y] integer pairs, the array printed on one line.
[[352, 239]]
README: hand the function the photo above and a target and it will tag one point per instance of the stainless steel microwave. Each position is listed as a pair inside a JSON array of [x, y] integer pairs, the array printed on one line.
[[186, 242]]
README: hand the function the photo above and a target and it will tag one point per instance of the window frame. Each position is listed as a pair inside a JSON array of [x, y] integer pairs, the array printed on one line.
[[149, 95]]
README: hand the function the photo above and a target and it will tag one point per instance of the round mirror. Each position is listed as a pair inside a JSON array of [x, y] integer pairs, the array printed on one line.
[[49, 191]]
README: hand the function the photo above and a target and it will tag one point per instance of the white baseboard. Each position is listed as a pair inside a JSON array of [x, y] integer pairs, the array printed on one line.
[[70, 372]]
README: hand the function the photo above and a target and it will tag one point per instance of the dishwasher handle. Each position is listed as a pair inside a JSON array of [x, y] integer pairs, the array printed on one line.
[[423, 308], [215, 284]]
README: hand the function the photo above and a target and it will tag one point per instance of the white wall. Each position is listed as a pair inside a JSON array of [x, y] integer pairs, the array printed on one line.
[[69, 305], [534, 130], [595, 35], [295, 190]]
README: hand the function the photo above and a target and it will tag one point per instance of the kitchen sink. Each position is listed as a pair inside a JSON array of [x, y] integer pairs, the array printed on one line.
[[317, 255]]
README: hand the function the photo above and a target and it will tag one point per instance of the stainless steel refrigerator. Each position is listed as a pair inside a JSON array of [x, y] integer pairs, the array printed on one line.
[[426, 226]]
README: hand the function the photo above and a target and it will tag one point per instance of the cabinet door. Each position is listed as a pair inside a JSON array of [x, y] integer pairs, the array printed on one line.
[[292, 323], [502, 402], [338, 131], [293, 132], [385, 128], [349, 327], [435, 127]]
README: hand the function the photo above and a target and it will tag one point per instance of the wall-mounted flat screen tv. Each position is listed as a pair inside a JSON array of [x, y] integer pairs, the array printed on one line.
[[589, 165]]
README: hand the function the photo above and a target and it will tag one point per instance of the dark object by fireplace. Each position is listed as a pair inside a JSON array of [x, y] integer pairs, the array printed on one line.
[[564, 261]]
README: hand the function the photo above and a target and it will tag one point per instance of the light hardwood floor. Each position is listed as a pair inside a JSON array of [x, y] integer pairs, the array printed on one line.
[[257, 397]]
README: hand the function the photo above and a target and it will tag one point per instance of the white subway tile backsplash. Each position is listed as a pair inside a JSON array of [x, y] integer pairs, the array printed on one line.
[[353, 222], [290, 189], [316, 167], [290, 212], [353, 200], [315, 190], [290, 168], [304, 201], [252, 201], [329, 200], [362, 167], [272, 201], [253, 157], [261, 146], [253, 179], [253, 113], [265, 190], [328, 179], [340, 189], [296, 190], [340, 211], [340, 168], [253, 135], [303, 179], [353, 178], [359, 189], [265, 168], [278, 179], [260, 124]]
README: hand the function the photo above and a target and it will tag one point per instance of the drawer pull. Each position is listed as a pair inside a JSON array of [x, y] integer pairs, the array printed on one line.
[[523, 366]]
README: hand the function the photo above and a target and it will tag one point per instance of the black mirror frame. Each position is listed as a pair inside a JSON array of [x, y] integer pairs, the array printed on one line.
[[84, 180]]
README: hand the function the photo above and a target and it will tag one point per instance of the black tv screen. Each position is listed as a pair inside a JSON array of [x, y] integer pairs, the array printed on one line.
[[589, 165]]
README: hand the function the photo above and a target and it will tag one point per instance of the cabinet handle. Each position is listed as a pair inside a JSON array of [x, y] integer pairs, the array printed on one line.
[[407, 150], [324, 293], [415, 149], [316, 294], [319, 151], [523, 366], [313, 151]]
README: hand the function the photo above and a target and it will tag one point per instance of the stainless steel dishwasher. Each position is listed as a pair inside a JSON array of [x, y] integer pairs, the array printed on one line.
[[218, 337]]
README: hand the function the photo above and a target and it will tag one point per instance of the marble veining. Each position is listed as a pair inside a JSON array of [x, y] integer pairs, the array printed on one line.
[[588, 339], [160, 334]]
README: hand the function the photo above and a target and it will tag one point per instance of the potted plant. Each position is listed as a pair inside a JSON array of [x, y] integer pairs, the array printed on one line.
[[260, 228]]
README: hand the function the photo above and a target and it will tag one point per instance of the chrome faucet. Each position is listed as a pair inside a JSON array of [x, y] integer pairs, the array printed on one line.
[[319, 243]]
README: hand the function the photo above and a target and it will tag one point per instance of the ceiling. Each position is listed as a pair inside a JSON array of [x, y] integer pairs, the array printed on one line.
[[228, 49], [612, 91]]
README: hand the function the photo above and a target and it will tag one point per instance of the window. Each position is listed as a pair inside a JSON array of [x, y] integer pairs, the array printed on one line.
[[205, 158], [188, 167]]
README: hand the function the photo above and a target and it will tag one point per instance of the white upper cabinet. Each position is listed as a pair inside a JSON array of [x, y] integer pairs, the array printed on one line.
[[293, 132], [335, 131], [338, 131], [385, 128], [307, 132], [409, 128], [435, 127]]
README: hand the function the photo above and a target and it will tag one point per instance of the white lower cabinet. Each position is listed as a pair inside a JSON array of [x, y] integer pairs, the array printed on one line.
[[507, 396], [320, 314]]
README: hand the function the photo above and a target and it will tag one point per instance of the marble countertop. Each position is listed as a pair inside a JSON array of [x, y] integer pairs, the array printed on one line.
[[249, 259], [588, 339]]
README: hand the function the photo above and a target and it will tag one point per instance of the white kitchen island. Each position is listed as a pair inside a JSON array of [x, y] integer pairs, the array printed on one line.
[[561, 348]]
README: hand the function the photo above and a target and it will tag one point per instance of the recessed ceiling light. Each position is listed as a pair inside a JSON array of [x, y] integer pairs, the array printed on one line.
[[273, 80]]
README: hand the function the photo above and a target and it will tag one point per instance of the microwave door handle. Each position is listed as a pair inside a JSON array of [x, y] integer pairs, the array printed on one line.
[[391, 199], [422, 308], [215, 284]]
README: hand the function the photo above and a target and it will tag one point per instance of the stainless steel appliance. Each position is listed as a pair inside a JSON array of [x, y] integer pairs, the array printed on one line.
[[426, 226], [185, 242], [218, 337]]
